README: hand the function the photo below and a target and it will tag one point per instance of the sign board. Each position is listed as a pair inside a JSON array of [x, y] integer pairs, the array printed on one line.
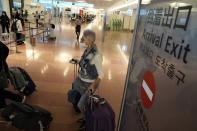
[[148, 89], [1, 8], [81, 13], [165, 45]]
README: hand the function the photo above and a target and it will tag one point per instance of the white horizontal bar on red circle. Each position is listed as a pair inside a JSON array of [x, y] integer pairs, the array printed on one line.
[[147, 90]]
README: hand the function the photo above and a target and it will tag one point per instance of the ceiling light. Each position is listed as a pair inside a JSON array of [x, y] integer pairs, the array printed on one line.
[[146, 1], [81, 1], [177, 4], [125, 5]]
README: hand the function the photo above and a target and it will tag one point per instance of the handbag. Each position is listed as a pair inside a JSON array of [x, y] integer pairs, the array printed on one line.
[[3, 78]]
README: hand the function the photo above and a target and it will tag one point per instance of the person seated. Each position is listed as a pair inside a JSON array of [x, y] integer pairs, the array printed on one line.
[[4, 79]]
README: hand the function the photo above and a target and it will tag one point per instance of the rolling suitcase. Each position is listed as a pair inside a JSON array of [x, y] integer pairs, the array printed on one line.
[[99, 115], [33, 41], [73, 95], [27, 117]]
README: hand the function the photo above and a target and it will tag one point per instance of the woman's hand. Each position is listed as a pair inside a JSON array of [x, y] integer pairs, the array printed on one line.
[[77, 60], [91, 87]]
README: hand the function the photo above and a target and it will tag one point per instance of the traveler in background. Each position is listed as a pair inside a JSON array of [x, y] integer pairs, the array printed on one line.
[[37, 17], [4, 94], [78, 28], [5, 22], [60, 17], [17, 28], [91, 72]]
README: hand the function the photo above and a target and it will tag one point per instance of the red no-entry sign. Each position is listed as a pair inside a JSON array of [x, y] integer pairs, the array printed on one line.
[[148, 89]]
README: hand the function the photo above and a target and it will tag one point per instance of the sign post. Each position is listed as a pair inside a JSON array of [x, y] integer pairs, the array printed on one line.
[[160, 90]]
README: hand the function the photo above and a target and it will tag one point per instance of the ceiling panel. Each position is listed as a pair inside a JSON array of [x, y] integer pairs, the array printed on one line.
[[98, 4]]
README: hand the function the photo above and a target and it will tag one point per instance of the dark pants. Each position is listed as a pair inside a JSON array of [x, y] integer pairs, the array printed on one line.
[[82, 88], [4, 94], [19, 38], [37, 23], [78, 30], [3, 28]]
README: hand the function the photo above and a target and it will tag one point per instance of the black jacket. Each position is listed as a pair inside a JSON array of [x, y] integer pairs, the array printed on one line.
[[4, 20], [4, 51]]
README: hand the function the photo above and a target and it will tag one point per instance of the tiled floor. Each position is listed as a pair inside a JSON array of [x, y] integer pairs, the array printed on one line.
[[48, 65]]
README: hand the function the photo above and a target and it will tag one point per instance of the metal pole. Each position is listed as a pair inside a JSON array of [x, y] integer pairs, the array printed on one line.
[[16, 42], [43, 33], [104, 26], [30, 33], [9, 35]]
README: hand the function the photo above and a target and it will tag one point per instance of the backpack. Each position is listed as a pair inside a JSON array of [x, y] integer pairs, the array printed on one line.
[[14, 26], [27, 117], [52, 26]]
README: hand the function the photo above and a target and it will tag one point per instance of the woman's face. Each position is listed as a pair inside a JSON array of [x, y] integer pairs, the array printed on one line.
[[3, 14], [86, 41]]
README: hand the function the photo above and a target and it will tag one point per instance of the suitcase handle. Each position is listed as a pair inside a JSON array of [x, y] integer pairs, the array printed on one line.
[[91, 92], [73, 61]]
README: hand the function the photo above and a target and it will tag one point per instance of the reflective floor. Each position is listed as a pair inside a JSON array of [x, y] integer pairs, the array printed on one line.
[[48, 65]]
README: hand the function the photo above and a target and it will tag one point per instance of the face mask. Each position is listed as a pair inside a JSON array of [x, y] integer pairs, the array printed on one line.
[[83, 45]]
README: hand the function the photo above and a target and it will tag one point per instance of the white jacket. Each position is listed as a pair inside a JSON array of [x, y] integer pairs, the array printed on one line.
[[19, 25]]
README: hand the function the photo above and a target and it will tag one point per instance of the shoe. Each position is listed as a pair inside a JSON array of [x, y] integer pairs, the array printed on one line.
[[23, 100], [77, 110], [20, 43], [82, 126], [81, 120], [77, 113], [1, 109]]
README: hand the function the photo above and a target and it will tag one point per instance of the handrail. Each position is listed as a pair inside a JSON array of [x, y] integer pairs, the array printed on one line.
[[37, 34], [43, 29]]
